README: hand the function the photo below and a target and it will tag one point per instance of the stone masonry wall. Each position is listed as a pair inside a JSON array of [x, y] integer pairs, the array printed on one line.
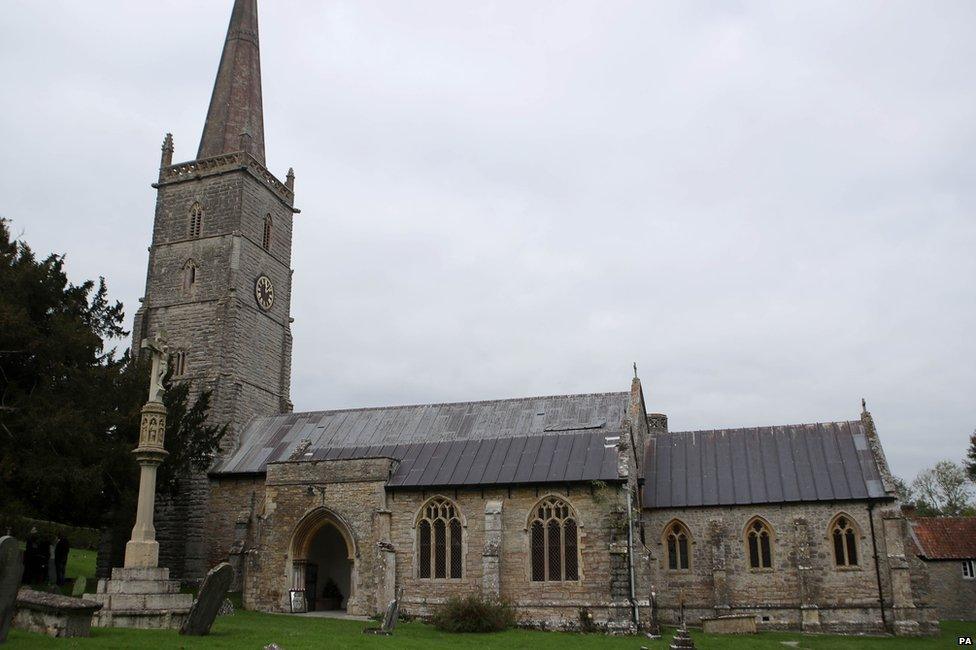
[[551, 604], [382, 525], [803, 588], [953, 596]]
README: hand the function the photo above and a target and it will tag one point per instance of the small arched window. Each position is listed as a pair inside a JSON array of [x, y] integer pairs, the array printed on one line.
[[266, 240], [678, 540], [440, 553], [843, 534], [554, 541], [196, 220], [759, 540], [190, 276]]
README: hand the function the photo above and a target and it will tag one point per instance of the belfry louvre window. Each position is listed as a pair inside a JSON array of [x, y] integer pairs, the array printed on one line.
[[179, 363], [844, 538], [554, 541], [678, 541], [758, 541], [196, 220], [266, 240], [440, 553]]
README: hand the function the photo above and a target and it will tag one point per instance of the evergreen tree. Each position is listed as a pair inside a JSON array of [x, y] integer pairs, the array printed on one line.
[[69, 404]]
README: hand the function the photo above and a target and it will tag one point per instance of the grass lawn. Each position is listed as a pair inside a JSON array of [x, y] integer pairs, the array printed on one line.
[[255, 630]]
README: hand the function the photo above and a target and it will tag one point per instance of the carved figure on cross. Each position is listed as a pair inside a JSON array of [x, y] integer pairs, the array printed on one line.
[[160, 357]]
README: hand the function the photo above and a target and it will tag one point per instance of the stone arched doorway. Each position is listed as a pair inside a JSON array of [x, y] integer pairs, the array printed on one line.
[[323, 560]]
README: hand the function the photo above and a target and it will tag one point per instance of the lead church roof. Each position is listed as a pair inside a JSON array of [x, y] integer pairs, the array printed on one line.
[[555, 439], [829, 461]]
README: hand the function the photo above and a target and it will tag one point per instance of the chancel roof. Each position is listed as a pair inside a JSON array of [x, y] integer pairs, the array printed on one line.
[[802, 462], [554, 439]]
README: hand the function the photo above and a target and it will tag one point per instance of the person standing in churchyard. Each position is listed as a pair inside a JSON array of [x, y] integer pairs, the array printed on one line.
[[31, 557], [61, 550]]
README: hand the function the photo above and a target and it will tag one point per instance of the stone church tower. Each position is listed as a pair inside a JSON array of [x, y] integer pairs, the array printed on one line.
[[219, 277]]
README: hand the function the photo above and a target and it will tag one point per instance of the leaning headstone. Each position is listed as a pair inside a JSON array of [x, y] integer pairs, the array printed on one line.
[[11, 569], [78, 590], [208, 602], [390, 618]]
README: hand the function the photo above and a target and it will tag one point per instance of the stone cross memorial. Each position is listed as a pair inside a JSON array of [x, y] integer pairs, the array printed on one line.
[[208, 602], [11, 569], [143, 549]]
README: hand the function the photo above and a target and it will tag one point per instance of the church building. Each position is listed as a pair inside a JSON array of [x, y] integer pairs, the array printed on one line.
[[568, 506]]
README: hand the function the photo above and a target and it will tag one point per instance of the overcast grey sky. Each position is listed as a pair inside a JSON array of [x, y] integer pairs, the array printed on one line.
[[770, 207]]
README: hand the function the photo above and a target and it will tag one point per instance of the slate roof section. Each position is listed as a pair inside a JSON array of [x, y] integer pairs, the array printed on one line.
[[557, 458], [516, 421], [945, 538], [804, 462]]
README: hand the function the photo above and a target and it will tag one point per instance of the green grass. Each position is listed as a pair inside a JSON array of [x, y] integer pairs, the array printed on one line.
[[255, 630], [81, 563]]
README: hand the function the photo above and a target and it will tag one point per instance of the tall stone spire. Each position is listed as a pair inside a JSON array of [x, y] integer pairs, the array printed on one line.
[[235, 121]]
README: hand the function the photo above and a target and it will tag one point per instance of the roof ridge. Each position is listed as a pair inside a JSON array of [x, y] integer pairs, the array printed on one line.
[[766, 426], [432, 404]]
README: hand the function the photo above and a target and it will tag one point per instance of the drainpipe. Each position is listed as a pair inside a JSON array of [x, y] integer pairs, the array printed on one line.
[[635, 612], [877, 566]]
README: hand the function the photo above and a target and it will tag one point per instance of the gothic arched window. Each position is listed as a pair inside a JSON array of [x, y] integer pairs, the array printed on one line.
[[440, 553], [678, 540], [554, 541], [190, 275], [759, 540], [843, 534], [196, 220], [266, 241]]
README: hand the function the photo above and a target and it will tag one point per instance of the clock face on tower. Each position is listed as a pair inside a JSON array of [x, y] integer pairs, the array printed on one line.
[[264, 292]]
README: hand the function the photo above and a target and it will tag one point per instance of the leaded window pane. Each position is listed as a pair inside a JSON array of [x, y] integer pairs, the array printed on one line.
[[456, 553], [538, 551], [851, 548], [440, 549], [424, 550], [554, 565], [572, 553]]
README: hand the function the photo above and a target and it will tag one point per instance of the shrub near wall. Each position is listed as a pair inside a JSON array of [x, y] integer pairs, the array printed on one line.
[[474, 614], [20, 527]]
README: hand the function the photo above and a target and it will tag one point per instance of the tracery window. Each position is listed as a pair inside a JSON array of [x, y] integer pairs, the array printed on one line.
[[844, 536], [759, 537], [969, 569], [554, 541], [266, 241], [440, 553], [678, 540], [196, 220], [190, 275]]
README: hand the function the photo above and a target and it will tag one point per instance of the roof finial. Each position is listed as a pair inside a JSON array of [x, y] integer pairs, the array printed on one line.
[[290, 179], [864, 405], [635, 370]]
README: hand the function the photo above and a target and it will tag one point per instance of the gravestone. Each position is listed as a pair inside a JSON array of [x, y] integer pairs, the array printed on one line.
[[390, 618], [78, 590], [208, 602], [11, 569]]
